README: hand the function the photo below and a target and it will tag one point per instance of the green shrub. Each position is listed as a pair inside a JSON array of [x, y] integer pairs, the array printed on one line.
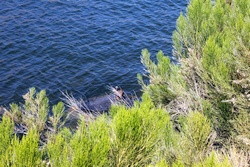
[[56, 119], [139, 134], [34, 114], [100, 142], [213, 161], [164, 78], [58, 149], [195, 141], [90, 144], [241, 133], [212, 44], [36, 109], [6, 131], [18, 152], [26, 152], [6, 137]]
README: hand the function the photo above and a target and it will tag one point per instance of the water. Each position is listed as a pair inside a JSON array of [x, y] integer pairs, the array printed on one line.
[[79, 46]]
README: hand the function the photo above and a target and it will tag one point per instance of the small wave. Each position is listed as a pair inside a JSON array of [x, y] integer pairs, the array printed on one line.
[[79, 45]]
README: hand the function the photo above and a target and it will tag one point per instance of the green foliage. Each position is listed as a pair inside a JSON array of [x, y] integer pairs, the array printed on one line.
[[162, 163], [34, 114], [36, 109], [58, 149], [14, 152], [163, 78], [215, 63], [26, 151], [6, 131], [138, 134], [213, 161], [100, 142], [16, 113], [241, 131], [178, 164], [194, 138], [196, 129], [90, 145], [208, 92], [58, 113], [193, 35], [213, 41]]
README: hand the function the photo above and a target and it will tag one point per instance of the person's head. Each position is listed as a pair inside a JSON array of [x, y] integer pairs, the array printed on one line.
[[117, 88]]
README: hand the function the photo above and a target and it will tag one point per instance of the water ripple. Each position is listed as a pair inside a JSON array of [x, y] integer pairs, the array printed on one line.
[[79, 45]]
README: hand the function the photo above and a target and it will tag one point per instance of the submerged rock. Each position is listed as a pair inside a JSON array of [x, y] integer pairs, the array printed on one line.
[[99, 104], [92, 107]]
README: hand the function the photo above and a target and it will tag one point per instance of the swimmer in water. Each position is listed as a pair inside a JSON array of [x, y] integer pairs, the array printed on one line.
[[119, 93]]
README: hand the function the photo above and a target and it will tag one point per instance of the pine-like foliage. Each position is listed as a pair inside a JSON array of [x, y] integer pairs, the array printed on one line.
[[6, 131], [193, 114], [16, 152], [26, 151], [195, 138], [34, 114], [211, 42], [90, 145], [213, 161], [140, 134], [58, 149], [58, 112], [164, 78], [36, 109], [6, 137]]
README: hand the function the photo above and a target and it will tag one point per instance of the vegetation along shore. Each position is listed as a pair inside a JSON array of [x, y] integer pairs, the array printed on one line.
[[195, 113]]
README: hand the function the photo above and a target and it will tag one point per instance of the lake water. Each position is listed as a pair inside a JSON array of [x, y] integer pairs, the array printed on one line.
[[80, 46]]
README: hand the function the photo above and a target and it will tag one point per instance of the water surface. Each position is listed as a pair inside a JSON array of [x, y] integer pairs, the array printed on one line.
[[79, 46]]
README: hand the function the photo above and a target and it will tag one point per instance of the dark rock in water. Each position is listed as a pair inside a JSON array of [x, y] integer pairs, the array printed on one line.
[[102, 104], [98, 104]]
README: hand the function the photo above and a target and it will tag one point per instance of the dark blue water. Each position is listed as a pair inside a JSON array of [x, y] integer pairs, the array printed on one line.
[[79, 46]]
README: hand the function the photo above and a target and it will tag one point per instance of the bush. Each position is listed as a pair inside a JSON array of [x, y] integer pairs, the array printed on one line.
[[208, 92], [164, 78], [36, 109], [213, 161], [34, 114], [16, 152], [90, 145], [26, 151], [139, 134], [211, 44], [195, 138], [58, 149], [6, 131]]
